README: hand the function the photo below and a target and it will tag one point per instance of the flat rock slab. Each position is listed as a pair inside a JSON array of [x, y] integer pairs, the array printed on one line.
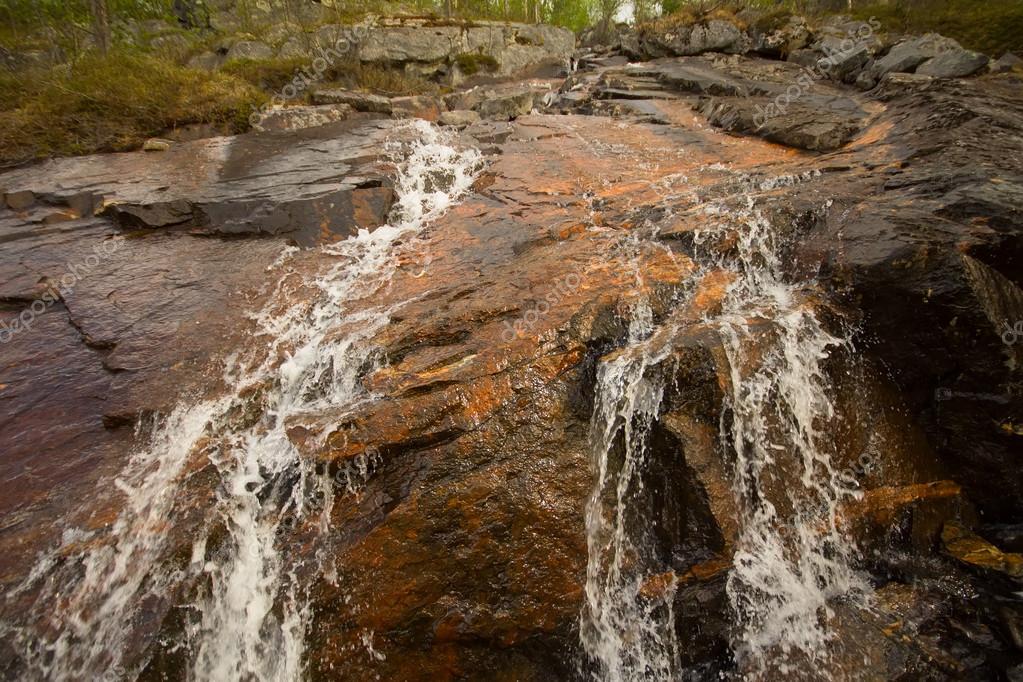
[[360, 101], [311, 186], [777, 101]]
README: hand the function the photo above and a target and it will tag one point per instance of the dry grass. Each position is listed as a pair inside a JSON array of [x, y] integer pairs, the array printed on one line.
[[379, 80], [113, 103]]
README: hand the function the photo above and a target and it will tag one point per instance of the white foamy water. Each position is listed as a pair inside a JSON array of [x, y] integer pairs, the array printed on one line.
[[791, 563], [789, 566], [312, 346], [627, 636]]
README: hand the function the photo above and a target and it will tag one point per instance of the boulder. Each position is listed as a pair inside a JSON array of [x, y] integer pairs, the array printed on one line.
[[401, 44], [846, 66], [250, 49], [507, 106], [953, 64], [779, 42], [155, 144], [425, 107], [1007, 62], [907, 55], [293, 48], [502, 102], [804, 124], [207, 61], [173, 45], [711, 36]]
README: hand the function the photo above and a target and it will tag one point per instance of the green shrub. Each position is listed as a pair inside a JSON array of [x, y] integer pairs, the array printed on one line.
[[391, 82]]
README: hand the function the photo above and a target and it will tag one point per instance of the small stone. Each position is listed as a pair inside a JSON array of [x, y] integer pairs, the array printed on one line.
[[155, 144]]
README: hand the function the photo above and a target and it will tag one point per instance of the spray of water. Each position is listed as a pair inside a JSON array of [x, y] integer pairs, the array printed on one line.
[[251, 611]]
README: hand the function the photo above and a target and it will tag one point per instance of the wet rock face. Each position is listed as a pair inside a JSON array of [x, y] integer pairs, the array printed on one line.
[[250, 185], [456, 543]]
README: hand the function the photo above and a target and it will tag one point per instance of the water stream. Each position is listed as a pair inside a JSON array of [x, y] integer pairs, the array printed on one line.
[[791, 561], [248, 614]]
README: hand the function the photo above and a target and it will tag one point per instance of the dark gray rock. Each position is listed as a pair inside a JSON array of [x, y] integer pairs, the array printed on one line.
[[809, 123], [953, 64], [308, 186], [907, 55], [1007, 62]]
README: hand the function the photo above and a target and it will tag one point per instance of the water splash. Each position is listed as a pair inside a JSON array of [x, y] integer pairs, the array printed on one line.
[[250, 614]]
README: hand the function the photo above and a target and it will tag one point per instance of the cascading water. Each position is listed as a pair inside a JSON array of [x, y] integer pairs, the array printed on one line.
[[788, 566], [250, 616], [629, 638], [790, 563]]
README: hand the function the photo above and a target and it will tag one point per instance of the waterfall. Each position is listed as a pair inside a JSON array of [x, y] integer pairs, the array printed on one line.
[[629, 638], [311, 347], [787, 566], [789, 563]]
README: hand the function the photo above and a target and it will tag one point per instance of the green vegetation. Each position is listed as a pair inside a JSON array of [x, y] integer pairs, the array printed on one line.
[[113, 103], [267, 74], [390, 82], [992, 26], [471, 63]]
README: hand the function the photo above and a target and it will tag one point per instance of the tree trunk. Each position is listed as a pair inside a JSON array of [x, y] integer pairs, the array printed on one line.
[[101, 24]]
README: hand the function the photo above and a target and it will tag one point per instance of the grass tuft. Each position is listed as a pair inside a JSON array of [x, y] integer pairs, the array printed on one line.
[[471, 63]]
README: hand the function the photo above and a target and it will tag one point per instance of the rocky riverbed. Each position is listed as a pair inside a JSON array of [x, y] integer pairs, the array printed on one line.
[[622, 373]]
